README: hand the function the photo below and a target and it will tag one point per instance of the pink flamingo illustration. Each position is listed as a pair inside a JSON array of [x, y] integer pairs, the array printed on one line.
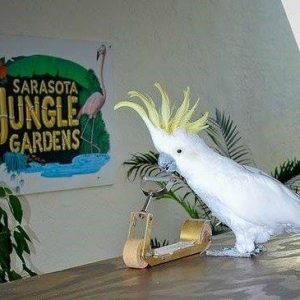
[[96, 101]]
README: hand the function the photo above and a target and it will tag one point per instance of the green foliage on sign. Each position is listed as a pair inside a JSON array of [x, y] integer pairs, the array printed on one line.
[[37, 66], [40, 65]]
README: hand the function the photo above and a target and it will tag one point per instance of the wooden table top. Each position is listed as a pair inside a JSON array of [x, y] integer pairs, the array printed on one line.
[[274, 274]]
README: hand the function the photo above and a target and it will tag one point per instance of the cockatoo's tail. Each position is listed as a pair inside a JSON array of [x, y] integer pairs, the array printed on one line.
[[164, 120]]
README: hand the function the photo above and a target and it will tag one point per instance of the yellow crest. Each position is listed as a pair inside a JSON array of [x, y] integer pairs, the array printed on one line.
[[164, 119]]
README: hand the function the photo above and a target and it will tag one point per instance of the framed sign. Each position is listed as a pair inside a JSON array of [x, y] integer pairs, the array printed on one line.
[[55, 114]]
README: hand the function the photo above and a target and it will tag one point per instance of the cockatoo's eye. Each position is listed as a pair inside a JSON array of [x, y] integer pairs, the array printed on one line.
[[179, 150]]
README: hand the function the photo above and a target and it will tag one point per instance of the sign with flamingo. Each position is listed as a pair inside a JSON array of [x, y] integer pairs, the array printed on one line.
[[55, 122]]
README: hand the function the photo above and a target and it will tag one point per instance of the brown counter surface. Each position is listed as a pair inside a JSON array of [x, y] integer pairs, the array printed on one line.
[[275, 274]]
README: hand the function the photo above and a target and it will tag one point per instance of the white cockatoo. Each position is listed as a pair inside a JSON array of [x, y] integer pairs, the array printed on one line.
[[253, 204]]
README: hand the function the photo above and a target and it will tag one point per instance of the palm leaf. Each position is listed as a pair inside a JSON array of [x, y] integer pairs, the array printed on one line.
[[141, 164], [155, 243], [227, 140], [288, 173], [190, 209]]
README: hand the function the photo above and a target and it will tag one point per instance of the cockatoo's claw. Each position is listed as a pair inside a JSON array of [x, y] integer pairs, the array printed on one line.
[[229, 252], [259, 249]]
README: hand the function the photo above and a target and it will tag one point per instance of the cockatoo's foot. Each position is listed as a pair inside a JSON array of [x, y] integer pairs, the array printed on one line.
[[259, 249], [233, 252], [230, 252]]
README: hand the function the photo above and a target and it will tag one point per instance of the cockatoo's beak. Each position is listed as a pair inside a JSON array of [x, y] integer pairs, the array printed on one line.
[[166, 162]]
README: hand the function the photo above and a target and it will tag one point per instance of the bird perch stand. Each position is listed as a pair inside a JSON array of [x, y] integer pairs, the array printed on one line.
[[195, 237]]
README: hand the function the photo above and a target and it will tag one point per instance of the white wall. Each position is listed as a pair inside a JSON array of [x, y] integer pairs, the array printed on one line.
[[292, 9], [237, 55]]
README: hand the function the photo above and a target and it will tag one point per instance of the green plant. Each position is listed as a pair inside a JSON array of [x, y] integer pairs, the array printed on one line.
[[288, 173], [227, 139], [155, 243], [141, 164], [13, 238]]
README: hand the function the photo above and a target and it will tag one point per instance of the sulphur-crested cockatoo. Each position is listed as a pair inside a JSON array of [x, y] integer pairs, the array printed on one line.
[[253, 204]]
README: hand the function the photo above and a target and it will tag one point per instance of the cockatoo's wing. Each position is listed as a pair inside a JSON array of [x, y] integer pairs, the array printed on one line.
[[262, 200], [260, 172]]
